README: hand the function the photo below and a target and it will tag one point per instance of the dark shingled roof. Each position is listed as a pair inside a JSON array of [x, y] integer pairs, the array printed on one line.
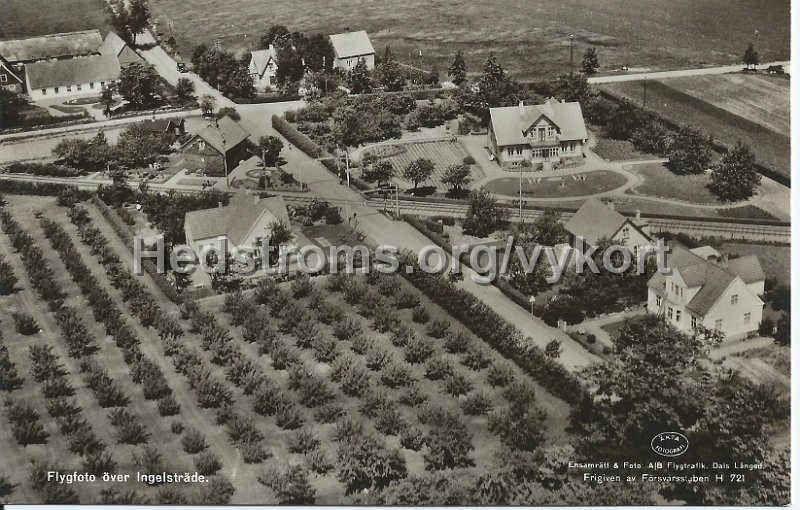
[[73, 71], [227, 129], [713, 278], [235, 220], [509, 123], [67, 44], [595, 220]]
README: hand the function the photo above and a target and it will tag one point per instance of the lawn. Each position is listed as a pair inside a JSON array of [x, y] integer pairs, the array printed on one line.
[[531, 39], [28, 18], [771, 149], [598, 181], [618, 150], [442, 153], [763, 99], [775, 260], [659, 181]]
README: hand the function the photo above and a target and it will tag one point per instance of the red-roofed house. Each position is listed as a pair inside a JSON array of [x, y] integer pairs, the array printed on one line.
[[545, 133], [595, 221], [244, 221], [717, 295]]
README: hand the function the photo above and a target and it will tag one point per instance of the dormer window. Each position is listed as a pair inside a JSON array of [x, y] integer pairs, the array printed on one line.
[[626, 232]]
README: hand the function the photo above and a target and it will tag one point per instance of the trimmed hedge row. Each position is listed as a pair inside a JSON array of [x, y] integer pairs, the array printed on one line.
[[46, 169], [418, 94], [124, 232], [49, 189], [265, 100], [294, 136]]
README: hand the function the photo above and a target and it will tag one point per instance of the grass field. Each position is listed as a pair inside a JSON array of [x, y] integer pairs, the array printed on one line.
[[618, 150], [442, 153], [775, 260], [598, 181], [660, 182], [27, 18], [762, 99], [771, 149], [531, 39]]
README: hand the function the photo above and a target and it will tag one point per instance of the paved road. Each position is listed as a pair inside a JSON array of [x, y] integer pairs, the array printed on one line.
[[658, 75]]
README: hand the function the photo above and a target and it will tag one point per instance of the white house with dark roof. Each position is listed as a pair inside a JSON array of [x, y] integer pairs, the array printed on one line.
[[595, 221], [545, 133], [263, 67], [71, 77], [350, 47], [10, 78], [721, 295], [115, 46], [243, 222]]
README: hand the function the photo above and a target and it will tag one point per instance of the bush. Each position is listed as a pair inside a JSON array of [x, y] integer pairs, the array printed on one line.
[[395, 375], [418, 350], [318, 461], [332, 216], [303, 441], [290, 487], [413, 396], [168, 406], [412, 438], [500, 374], [176, 427], [456, 342], [469, 160], [328, 413], [438, 368], [476, 404], [207, 463], [420, 315], [476, 358], [457, 384], [193, 441], [438, 328], [25, 324]]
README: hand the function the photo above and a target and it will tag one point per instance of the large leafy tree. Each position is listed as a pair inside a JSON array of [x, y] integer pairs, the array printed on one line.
[[458, 69], [139, 85], [380, 171], [389, 74], [276, 35], [574, 87], [366, 463], [735, 176], [495, 88], [359, 79], [690, 152], [11, 104], [184, 90], [590, 64], [419, 171], [457, 177], [130, 18], [751, 58], [484, 214], [270, 148]]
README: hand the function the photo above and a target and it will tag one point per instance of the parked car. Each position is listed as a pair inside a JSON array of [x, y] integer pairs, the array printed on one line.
[[182, 68]]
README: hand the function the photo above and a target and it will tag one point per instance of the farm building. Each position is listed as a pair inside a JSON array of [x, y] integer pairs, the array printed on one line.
[[716, 294], [71, 77], [595, 221], [350, 47], [540, 134], [115, 46], [243, 222], [52, 46], [175, 127], [205, 150], [10, 79], [263, 66]]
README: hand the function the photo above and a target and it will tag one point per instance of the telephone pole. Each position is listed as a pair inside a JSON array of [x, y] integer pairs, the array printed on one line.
[[571, 40], [644, 99]]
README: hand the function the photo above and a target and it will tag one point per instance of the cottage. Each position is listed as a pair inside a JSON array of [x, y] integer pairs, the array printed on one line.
[[263, 67], [245, 221], [350, 47], [71, 77], [595, 221], [205, 150], [539, 134], [720, 295], [9, 78], [115, 46]]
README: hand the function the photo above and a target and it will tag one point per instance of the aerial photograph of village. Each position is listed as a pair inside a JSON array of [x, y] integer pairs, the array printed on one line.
[[359, 252]]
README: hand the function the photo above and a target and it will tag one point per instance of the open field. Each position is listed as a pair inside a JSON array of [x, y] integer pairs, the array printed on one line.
[[660, 182], [775, 260], [442, 153], [27, 18], [532, 39], [597, 181], [771, 149], [763, 99]]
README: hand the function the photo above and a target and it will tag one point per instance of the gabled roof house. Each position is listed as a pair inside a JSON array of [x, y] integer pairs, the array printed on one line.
[[70, 77], [52, 46], [222, 138], [595, 221], [263, 66], [115, 46], [350, 47]]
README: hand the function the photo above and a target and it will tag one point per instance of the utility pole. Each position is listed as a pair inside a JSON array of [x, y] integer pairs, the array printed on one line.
[[571, 40], [224, 157], [520, 197], [644, 100]]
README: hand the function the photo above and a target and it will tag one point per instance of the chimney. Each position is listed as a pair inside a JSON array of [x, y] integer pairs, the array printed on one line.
[[611, 206], [638, 214], [521, 108], [723, 260], [219, 204], [563, 100]]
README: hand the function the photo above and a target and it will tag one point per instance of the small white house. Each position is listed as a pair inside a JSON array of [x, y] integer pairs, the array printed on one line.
[[718, 295], [71, 77], [263, 67], [595, 221], [350, 47]]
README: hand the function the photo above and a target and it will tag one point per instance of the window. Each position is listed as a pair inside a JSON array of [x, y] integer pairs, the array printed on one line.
[[747, 317], [658, 301], [626, 232], [79, 87], [718, 324], [549, 131], [3, 78], [677, 315], [694, 322], [519, 150], [541, 134], [55, 90], [669, 312], [537, 153], [91, 85], [734, 299], [102, 84], [44, 92], [69, 88]]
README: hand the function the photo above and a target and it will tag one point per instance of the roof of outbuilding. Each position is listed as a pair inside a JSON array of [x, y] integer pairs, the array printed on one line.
[[509, 123], [73, 71], [747, 268], [594, 221], [352, 44], [236, 220], [66, 44]]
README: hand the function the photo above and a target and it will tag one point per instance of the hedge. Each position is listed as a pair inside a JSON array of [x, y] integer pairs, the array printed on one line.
[[295, 137], [264, 100], [47, 169], [50, 189], [125, 233], [418, 94]]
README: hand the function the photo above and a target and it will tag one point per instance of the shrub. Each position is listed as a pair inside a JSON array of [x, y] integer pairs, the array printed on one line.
[[389, 421], [303, 441], [418, 350], [406, 299], [171, 495], [376, 357], [438, 368], [401, 335], [412, 438], [296, 138], [288, 417], [500, 374], [207, 463], [347, 429], [457, 384], [25, 324], [252, 453], [372, 402], [328, 413], [476, 404], [413, 396], [26, 426], [168, 406], [333, 216], [438, 328], [176, 427], [469, 160], [359, 344], [394, 375], [420, 315], [318, 461], [475, 358], [290, 487], [325, 349], [193, 441]]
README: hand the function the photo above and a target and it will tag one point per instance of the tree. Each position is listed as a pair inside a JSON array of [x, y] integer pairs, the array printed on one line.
[[228, 111], [380, 172], [751, 58], [207, 104], [553, 349], [90, 155], [275, 35], [495, 88], [783, 330], [184, 90], [366, 463], [389, 74], [359, 79], [107, 97], [484, 214], [735, 176], [270, 148], [457, 177], [131, 20], [290, 65], [589, 64], [291, 487], [11, 104], [139, 85], [318, 53], [689, 152], [625, 120], [449, 442], [8, 279], [574, 87], [418, 171], [139, 146], [458, 69], [279, 234]]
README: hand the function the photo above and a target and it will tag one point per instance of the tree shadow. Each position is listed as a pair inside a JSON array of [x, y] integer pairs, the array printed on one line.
[[422, 191]]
